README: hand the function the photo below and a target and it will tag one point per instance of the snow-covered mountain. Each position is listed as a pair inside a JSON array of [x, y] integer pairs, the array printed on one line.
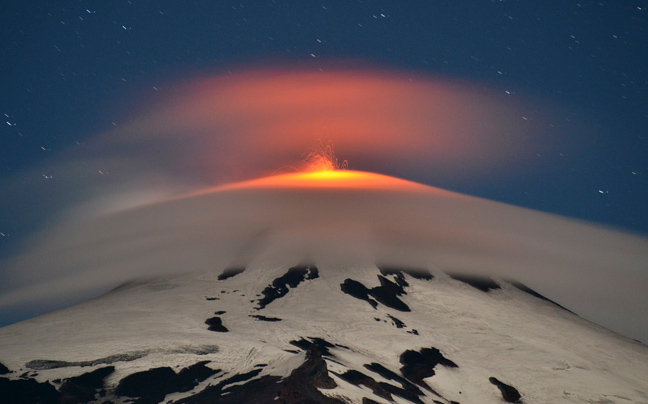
[[308, 334], [315, 329]]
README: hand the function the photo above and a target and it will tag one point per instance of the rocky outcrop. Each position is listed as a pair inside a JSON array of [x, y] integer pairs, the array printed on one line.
[[292, 278], [509, 393], [151, 386], [387, 293], [216, 324], [301, 387]]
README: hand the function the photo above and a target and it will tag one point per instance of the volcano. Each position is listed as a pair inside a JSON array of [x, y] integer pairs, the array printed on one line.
[[329, 287]]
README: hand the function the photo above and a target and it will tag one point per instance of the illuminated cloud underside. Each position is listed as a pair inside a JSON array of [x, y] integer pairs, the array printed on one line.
[[148, 197], [226, 128], [342, 219], [254, 123]]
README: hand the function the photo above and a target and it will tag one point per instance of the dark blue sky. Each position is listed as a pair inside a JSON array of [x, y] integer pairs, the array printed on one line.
[[70, 69]]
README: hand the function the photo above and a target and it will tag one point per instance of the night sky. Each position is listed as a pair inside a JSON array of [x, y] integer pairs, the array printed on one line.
[[72, 69]]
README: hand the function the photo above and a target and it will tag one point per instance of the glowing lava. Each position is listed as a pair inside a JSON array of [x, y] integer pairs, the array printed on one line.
[[344, 179], [322, 158]]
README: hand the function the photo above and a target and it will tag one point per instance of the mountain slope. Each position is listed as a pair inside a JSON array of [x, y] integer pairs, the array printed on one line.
[[318, 334], [341, 219]]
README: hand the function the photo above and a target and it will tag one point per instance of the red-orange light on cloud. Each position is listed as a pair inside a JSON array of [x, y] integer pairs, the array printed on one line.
[[257, 122], [329, 179], [322, 158]]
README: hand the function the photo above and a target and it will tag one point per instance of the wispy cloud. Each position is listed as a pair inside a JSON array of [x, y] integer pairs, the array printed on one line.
[[138, 201]]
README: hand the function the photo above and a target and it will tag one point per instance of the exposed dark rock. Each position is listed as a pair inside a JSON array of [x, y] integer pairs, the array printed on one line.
[[314, 370], [189, 377], [83, 388], [397, 322], [402, 393], [242, 377], [322, 345], [509, 393], [357, 378], [354, 377], [151, 386], [264, 318], [366, 400], [212, 298], [483, 283], [387, 293], [420, 365], [416, 273], [257, 391], [41, 364], [4, 370], [27, 391], [94, 379], [413, 331], [220, 312], [389, 375], [229, 273], [292, 278], [301, 387], [525, 288], [398, 276], [357, 290], [216, 324]]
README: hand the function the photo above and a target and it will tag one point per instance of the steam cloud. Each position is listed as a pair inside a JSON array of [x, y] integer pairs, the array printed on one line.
[[138, 201]]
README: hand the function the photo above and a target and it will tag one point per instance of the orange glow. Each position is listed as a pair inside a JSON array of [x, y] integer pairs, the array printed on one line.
[[252, 123], [322, 158], [342, 179]]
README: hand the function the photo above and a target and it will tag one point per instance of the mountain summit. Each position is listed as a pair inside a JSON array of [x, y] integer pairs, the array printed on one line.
[[329, 288]]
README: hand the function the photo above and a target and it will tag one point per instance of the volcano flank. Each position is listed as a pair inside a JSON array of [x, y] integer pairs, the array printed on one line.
[[329, 287]]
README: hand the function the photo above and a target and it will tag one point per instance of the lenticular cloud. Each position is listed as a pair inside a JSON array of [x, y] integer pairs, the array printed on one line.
[[148, 198], [258, 121], [343, 220]]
